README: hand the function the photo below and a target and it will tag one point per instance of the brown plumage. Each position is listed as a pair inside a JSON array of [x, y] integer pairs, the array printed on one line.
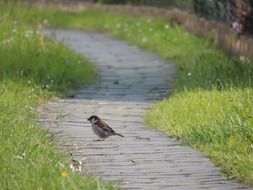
[[100, 128]]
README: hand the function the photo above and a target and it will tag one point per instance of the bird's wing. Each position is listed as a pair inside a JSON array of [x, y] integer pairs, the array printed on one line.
[[104, 126]]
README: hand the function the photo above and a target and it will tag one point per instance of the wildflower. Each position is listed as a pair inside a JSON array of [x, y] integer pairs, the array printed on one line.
[[64, 174], [45, 22], [148, 20], [8, 41], [21, 157], [29, 82], [237, 27], [118, 25], [242, 58], [14, 30], [166, 26], [144, 40], [28, 33], [189, 74]]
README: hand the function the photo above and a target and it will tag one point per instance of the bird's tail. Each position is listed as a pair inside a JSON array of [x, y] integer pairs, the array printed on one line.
[[118, 134]]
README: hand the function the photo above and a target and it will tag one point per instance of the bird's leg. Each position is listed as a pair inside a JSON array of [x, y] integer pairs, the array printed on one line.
[[101, 139]]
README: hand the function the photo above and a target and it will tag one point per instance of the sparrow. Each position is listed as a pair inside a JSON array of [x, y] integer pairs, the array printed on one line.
[[101, 129]]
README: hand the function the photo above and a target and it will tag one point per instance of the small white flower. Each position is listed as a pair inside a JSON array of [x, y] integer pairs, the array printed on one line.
[[144, 40], [166, 26], [118, 25], [45, 21], [14, 30], [189, 74], [47, 86], [8, 41], [29, 82], [28, 33], [242, 58]]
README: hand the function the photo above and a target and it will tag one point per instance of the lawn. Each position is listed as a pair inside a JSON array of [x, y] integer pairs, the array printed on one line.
[[211, 105], [32, 70]]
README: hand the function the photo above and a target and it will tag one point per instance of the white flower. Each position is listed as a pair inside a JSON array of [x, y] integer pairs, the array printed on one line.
[[144, 40], [118, 25], [189, 74], [166, 26], [8, 41], [28, 33], [242, 58], [45, 21], [29, 82]]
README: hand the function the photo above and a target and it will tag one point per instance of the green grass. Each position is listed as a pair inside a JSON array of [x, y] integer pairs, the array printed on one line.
[[32, 70], [211, 106]]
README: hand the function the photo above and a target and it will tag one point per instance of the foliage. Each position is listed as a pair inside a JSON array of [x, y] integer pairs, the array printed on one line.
[[32, 69]]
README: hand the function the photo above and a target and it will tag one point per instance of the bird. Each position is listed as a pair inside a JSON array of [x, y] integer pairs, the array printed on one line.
[[101, 129]]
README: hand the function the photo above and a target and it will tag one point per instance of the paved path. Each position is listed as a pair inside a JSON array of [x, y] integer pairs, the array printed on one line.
[[131, 80]]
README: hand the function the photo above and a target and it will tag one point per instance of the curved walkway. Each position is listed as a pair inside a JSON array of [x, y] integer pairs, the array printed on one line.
[[131, 80]]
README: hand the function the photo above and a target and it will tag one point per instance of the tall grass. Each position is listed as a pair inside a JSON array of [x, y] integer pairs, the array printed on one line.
[[33, 69], [211, 106], [27, 55]]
